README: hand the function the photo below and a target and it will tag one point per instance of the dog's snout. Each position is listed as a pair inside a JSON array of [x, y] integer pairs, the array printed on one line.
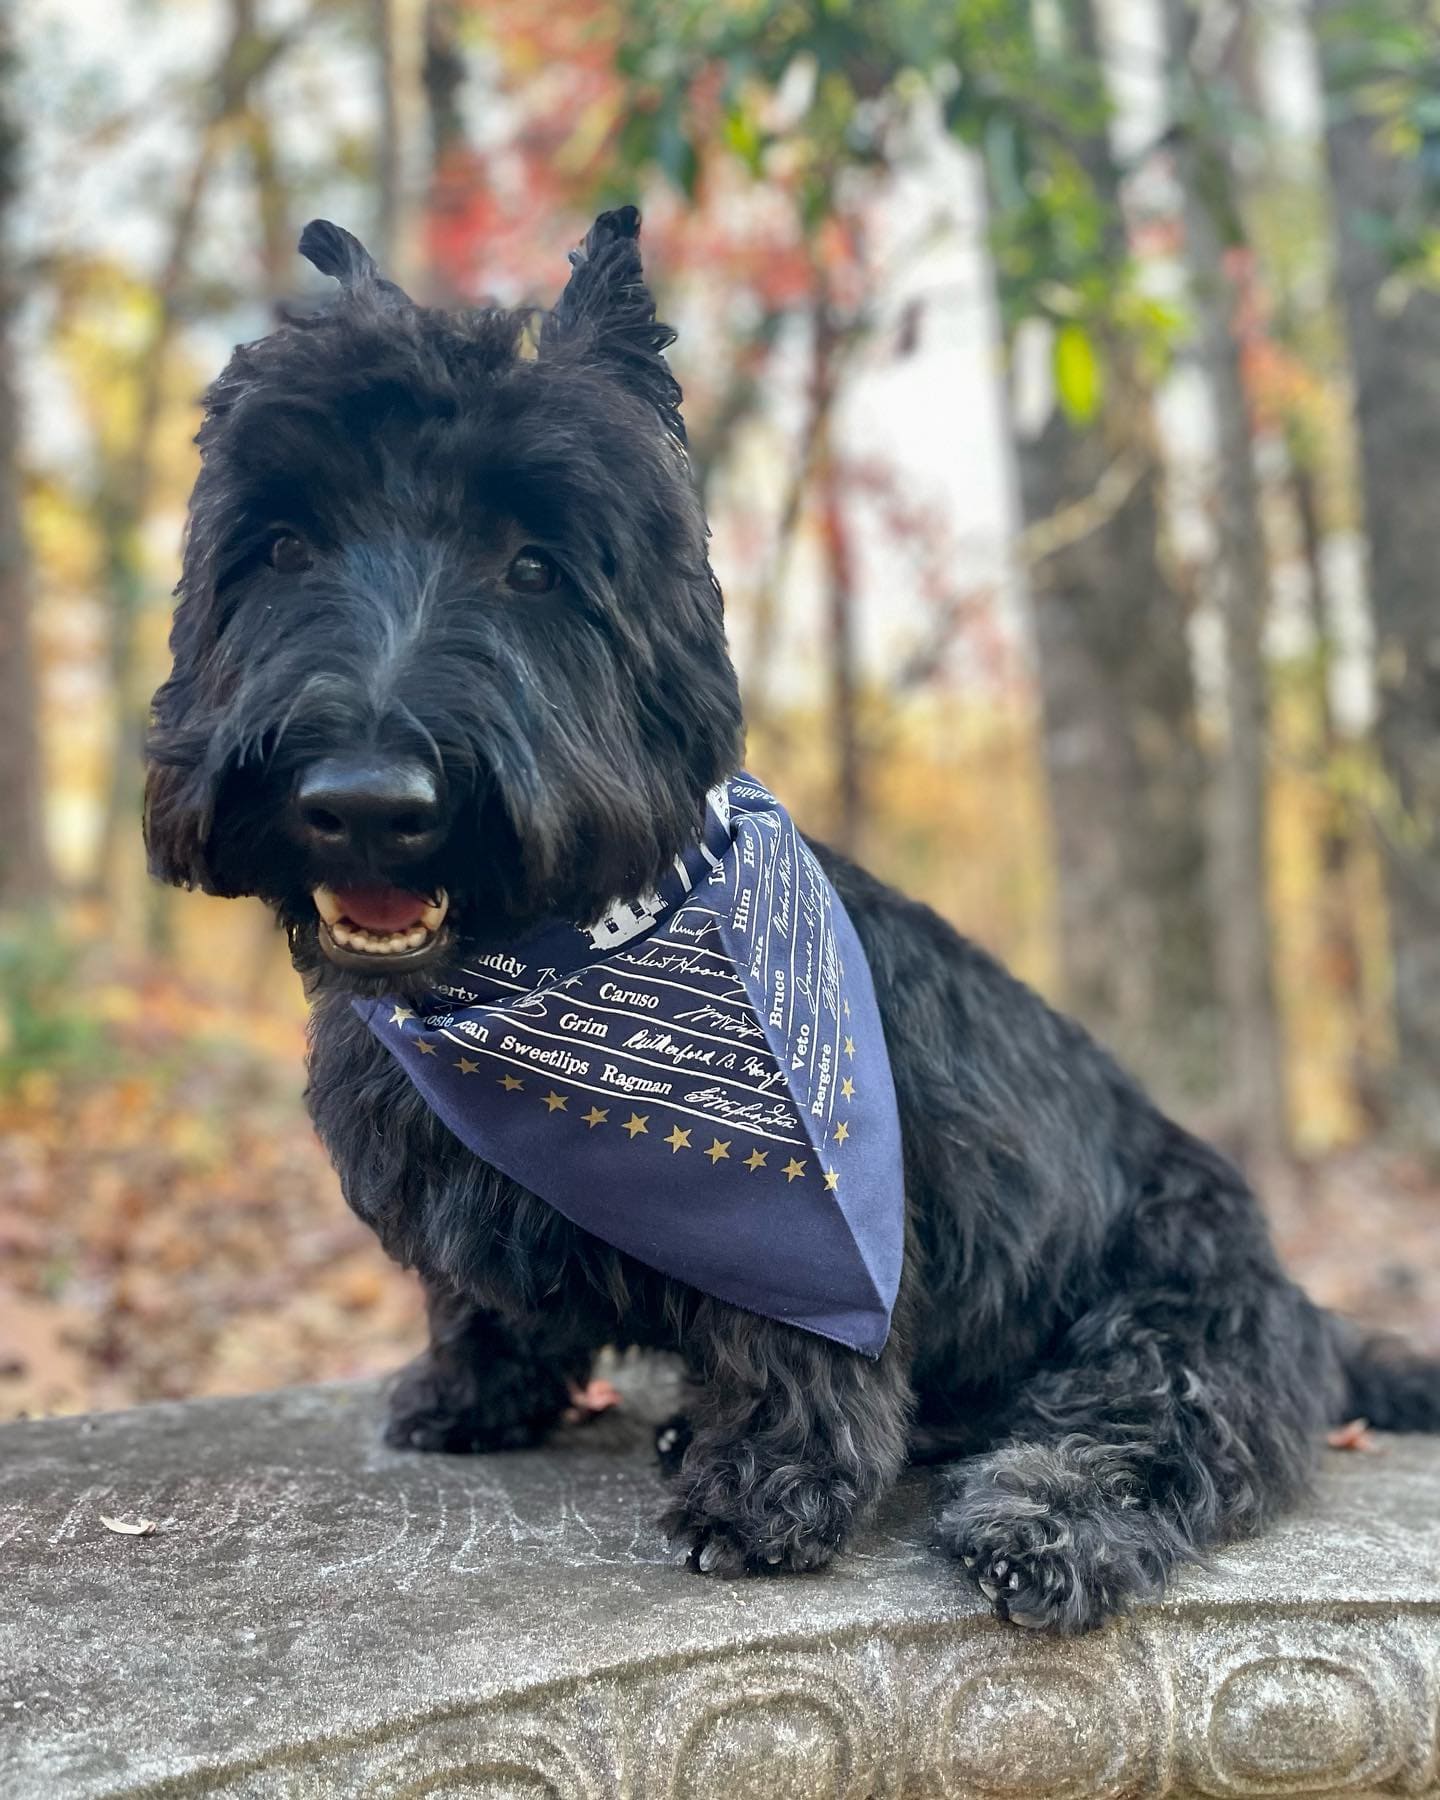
[[391, 811]]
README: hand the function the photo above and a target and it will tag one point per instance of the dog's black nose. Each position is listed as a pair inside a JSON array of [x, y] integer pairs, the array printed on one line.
[[386, 810]]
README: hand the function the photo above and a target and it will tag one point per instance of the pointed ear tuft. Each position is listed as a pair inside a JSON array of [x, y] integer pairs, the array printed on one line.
[[607, 298], [335, 251]]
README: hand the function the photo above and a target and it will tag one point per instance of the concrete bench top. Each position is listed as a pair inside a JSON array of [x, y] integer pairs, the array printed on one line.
[[316, 1615]]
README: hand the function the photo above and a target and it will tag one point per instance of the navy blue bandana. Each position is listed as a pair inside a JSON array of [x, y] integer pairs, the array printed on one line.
[[700, 1079]]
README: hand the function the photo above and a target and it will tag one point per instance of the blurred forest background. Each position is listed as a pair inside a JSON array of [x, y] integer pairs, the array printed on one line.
[[1064, 382]]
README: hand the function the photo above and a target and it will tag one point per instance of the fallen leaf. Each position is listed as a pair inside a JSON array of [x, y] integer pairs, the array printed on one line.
[[128, 1527], [1354, 1435]]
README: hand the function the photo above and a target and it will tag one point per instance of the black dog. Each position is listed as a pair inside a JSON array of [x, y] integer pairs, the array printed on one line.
[[447, 625]]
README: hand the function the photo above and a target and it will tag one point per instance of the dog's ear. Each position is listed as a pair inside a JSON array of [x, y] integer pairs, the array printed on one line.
[[335, 251], [606, 300]]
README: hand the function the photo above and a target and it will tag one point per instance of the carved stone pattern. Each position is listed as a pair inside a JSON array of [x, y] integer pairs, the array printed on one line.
[[1220, 1702]]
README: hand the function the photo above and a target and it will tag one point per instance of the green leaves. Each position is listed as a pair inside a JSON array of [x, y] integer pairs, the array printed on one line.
[[1079, 380]]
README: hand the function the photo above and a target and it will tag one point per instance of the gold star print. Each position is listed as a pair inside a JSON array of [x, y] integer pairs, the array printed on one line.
[[842, 1131], [635, 1125], [424, 1048], [466, 1067], [832, 1180], [849, 1046], [511, 1084], [847, 1088], [718, 1152], [791, 1170], [597, 1115], [400, 1015], [556, 1102], [678, 1140], [847, 1009], [756, 1160]]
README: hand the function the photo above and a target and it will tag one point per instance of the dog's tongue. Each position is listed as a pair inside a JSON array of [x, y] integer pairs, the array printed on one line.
[[381, 908]]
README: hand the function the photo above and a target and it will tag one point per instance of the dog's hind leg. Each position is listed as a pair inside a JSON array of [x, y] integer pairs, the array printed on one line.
[[1170, 1427], [1181, 1411], [791, 1440], [1388, 1384], [484, 1383]]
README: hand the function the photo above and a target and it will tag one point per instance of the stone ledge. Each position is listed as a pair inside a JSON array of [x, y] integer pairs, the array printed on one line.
[[322, 1617]]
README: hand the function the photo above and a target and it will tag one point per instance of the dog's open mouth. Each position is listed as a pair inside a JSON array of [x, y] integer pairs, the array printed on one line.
[[379, 927]]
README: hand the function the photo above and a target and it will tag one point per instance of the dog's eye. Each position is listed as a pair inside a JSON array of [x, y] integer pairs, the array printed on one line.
[[532, 572], [288, 553]]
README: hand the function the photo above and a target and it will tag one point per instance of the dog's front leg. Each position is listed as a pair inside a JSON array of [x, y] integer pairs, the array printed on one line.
[[792, 1440], [486, 1382]]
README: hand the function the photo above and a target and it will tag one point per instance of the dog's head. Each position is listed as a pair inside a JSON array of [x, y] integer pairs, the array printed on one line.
[[448, 655]]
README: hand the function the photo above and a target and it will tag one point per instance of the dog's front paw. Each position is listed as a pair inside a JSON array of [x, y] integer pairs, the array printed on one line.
[[1052, 1544], [774, 1525], [432, 1408]]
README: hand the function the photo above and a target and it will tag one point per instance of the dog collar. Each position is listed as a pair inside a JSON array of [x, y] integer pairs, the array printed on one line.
[[699, 1079]]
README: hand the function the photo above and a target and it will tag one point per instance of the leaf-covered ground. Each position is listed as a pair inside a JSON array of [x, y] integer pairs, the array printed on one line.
[[168, 1225]]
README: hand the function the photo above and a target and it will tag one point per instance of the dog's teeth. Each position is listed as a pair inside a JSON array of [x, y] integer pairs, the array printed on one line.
[[327, 905], [433, 917], [350, 936]]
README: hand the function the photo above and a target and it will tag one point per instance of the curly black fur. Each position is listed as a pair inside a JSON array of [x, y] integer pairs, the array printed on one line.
[[1091, 1311]]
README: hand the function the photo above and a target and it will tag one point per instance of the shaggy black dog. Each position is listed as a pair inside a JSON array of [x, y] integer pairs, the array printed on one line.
[[447, 622]]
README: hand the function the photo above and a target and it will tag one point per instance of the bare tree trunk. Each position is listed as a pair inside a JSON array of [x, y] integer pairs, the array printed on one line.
[[1120, 742], [1240, 576], [1123, 765], [1343, 963], [1394, 340], [839, 566], [809, 447], [272, 210], [452, 173], [388, 158], [24, 866], [124, 499], [844, 683], [442, 77]]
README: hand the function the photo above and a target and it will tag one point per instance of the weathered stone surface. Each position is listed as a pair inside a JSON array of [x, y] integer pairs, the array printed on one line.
[[319, 1616]]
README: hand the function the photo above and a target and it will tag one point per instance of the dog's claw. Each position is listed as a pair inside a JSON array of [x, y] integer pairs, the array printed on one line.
[[989, 1590], [708, 1557]]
